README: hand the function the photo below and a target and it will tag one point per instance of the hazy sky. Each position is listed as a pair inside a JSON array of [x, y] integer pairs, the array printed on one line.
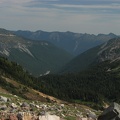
[[82, 16]]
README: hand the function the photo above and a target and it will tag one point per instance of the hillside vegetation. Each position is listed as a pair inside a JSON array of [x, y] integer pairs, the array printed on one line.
[[37, 57], [13, 79], [98, 84], [92, 87], [110, 50]]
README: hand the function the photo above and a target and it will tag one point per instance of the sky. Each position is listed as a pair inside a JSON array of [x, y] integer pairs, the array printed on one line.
[[81, 16]]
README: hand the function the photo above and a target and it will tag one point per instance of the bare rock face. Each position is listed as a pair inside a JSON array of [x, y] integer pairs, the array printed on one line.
[[110, 50], [111, 113], [49, 117], [27, 116], [13, 117], [4, 99]]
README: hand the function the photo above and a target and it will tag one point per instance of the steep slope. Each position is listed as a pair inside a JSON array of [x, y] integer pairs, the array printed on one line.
[[93, 86], [107, 51], [74, 43], [5, 32], [37, 57], [110, 50], [13, 79]]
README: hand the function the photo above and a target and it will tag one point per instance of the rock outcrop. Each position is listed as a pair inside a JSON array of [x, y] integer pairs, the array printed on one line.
[[15, 108], [111, 113]]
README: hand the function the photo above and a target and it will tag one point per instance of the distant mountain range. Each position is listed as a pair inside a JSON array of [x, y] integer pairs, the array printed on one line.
[[37, 57], [74, 43], [94, 74], [109, 51], [42, 52]]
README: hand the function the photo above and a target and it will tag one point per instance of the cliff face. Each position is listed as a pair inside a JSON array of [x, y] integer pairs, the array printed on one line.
[[110, 50]]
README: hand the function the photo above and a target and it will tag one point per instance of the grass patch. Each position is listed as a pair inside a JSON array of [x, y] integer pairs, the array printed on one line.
[[70, 118]]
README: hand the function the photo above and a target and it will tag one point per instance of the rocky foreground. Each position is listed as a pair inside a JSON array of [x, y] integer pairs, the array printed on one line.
[[13, 107]]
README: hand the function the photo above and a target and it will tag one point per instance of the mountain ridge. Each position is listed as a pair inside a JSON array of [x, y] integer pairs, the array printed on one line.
[[78, 42], [79, 86], [37, 57], [108, 51]]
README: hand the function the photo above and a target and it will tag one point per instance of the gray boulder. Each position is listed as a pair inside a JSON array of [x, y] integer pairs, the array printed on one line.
[[92, 116], [4, 99], [19, 116], [111, 113], [13, 105], [25, 104], [3, 107]]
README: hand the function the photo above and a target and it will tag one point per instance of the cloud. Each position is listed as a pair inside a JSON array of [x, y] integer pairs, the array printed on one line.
[[76, 6], [99, 9], [13, 2], [112, 6], [48, 0], [61, 15]]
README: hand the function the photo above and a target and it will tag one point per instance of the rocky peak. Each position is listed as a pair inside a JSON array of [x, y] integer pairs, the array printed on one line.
[[3, 31], [112, 35], [110, 50]]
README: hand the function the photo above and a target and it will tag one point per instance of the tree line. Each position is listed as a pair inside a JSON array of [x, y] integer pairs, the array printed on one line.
[[93, 86]]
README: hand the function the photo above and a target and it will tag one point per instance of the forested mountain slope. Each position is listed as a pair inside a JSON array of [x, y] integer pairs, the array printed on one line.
[[13, 79], [97, 84], [108, 51], [92, 87], [38, 57]]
